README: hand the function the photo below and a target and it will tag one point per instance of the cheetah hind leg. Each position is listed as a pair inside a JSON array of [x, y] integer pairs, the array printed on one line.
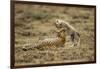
[[76, 43]]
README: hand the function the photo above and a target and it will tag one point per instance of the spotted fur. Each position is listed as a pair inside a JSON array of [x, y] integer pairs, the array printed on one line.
[[59, 40], [74, 34]]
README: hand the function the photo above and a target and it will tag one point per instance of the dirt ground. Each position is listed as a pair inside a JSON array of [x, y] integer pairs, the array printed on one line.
[[36, 22]]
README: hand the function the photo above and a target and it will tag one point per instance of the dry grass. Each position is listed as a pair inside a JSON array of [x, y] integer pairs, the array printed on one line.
[[36, 22]]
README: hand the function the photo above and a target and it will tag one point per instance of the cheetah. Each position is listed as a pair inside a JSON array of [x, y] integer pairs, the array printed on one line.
[[57, 41], [74, 34]]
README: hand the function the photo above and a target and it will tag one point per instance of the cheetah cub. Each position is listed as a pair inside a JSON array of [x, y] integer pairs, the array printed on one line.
[[74, 34]]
